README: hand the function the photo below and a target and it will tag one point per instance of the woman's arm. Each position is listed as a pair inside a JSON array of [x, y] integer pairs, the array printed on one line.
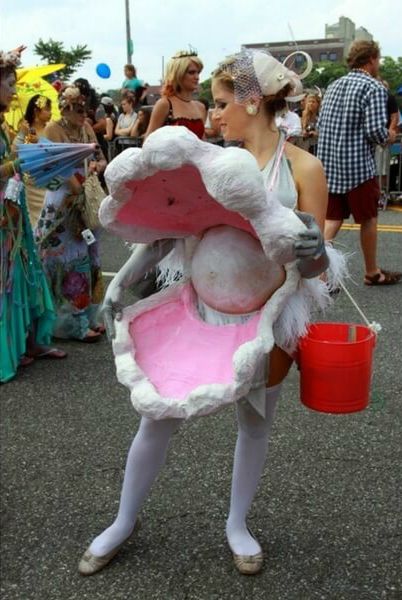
[[99, 164], [125, 130], [311, 185], [158, 116], [134, 129], [203, 111]]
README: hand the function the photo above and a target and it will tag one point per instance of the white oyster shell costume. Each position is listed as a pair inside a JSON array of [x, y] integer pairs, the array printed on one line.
[[175, 362]]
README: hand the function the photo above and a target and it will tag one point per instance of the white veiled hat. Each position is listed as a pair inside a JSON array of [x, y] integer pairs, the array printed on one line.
[[256, 74]]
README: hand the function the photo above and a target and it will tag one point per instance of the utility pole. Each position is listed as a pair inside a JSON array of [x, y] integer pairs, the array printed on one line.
[[128, 34]]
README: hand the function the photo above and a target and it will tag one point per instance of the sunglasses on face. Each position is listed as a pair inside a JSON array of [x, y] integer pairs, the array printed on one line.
[[78, 109]]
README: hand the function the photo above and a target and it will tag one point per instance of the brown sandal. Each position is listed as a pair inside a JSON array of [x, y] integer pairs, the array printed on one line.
[[383, 278]]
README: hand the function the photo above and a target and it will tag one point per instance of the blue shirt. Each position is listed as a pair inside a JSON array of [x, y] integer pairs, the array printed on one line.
[[132, 84]]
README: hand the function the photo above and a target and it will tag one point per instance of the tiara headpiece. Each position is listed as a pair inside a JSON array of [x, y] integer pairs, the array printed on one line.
[[186, 53]]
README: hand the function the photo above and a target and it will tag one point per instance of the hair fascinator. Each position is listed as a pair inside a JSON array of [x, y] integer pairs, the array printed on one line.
[[42, 102], [69, 96], [256, 74]]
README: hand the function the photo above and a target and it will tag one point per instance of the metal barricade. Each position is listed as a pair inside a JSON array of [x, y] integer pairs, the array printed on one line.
[[122, 143], [389, 168]]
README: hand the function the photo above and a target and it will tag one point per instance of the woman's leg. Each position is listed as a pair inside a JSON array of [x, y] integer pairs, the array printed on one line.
[[249, 459], [145, 459]]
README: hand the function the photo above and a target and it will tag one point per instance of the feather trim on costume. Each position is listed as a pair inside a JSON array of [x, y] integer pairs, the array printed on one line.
[[311, 295]]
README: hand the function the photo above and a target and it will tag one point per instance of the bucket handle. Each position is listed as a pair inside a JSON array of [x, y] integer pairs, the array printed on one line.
[[374, 326]]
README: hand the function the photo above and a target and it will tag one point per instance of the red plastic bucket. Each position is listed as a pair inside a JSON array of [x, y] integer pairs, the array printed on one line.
[[336, 366]]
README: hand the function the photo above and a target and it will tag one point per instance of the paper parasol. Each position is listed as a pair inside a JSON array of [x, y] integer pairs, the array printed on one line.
[[46, 160]]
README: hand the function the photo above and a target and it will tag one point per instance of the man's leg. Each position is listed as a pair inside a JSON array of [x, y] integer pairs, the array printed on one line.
[[337, 211], [368, 242]]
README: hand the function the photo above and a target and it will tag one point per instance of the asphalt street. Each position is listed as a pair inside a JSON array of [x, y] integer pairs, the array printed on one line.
[[328, 512]]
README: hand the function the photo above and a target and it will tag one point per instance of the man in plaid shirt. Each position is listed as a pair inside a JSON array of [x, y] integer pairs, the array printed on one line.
[[353, 119]]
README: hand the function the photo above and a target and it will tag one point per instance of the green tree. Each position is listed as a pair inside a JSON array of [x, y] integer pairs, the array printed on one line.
[[205, 90], [391, 72], [324, 73], [54, 52]]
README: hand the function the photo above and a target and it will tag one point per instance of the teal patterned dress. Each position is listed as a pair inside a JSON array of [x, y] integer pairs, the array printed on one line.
[[26, 304]]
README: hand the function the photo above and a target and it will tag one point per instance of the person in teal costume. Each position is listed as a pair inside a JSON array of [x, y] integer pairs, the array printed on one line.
[[26, 306]]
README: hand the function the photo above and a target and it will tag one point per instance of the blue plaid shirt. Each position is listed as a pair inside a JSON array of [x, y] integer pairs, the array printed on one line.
[[353, 119]]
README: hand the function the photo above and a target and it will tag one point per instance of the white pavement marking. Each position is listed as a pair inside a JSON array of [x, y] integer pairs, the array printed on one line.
[[109, 273]]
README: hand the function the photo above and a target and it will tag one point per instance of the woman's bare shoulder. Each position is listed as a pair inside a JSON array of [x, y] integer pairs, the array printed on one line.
[[54, 131], [162, 103], [303, 161]]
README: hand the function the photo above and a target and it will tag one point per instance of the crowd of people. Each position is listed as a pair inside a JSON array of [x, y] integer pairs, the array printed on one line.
[[51, 277]]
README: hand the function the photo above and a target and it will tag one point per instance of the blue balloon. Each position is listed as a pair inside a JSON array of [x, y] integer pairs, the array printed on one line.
[[103, 70]]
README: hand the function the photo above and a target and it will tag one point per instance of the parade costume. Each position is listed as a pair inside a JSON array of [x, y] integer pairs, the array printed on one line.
[[194, 125], [231, 265], [26, 306], [178, 380], [72, 265]]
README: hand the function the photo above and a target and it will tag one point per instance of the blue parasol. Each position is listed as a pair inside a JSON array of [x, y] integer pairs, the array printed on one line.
[[46, 160]]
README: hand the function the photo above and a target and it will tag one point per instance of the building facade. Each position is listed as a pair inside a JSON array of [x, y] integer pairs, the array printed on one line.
[[334, 47]]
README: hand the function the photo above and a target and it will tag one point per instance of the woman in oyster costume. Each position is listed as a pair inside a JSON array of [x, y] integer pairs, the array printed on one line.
[[246, 89]]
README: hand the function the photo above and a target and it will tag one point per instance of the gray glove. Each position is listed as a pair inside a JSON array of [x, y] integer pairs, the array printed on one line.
[[143, 259], [312, 259], [112, 308]]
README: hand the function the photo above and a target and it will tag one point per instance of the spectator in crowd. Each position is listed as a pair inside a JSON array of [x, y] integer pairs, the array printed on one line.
[[140, 126], [289, 121], [105, 111], [309, 123], [90, 97], [382, 153], [131, 82], [37, 114], [212, 129], [127, 118], [353, 119], [177, 105], [136, 87]]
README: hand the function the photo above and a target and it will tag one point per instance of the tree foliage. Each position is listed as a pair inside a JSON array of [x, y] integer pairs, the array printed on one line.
[[54, 52], [324, 73], [391, 71], [205, 90]]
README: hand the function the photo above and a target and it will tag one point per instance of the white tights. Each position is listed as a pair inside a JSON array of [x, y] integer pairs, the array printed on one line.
[[147, 456]]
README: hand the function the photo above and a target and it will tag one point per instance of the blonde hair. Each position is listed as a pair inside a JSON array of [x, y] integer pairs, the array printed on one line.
[[271, 104], [307, 113], [176, 70]]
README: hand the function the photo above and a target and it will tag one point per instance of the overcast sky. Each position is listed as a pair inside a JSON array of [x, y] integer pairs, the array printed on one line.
[[160, 27]]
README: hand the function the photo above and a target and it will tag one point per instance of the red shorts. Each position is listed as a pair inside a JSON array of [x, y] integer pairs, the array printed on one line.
[[361, 202]]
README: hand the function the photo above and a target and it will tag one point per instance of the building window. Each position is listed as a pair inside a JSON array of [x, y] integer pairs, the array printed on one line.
[[323, 56], [333, 56]]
